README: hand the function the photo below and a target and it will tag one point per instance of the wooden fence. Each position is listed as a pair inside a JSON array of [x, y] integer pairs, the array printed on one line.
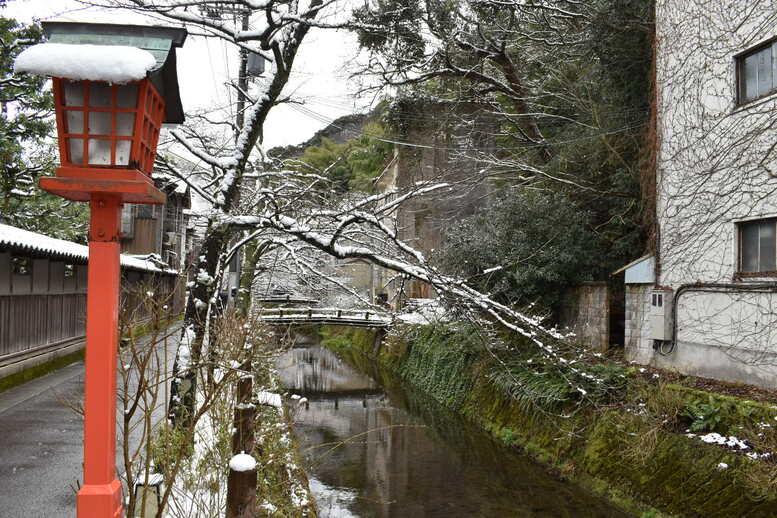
[[43, 306], [35, 323]]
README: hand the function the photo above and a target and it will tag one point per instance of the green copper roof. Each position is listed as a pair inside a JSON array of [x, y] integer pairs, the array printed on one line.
[[161, 42]]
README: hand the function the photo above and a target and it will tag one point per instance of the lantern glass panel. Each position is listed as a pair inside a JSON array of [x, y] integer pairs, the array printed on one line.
[[123, 148], [99, 95], [75, 121], [125, 124], [76, 148], [99, 123], [74, 93], [127, 96], [100, 151]]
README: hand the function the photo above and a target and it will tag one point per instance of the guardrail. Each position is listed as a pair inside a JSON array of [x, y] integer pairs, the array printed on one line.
[[362, 317]]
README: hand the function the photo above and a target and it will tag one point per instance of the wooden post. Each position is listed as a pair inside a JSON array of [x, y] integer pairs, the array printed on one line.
[[241, 485], [100, 495]]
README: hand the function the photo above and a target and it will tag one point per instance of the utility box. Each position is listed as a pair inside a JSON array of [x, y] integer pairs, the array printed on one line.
[[661, 315], [255, 66]]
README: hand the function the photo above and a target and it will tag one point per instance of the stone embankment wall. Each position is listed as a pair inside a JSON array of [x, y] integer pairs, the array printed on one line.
[[638, 344], [595, 447], [586, 311]]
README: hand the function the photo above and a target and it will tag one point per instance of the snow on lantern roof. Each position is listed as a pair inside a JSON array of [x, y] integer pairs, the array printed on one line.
[[111, 63], [159, 41], [24, 241]]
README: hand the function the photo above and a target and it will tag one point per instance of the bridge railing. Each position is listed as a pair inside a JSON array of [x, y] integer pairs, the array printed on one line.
[[323, 314]]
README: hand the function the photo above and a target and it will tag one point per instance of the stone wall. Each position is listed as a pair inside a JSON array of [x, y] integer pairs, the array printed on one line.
[[586, 311], [639, 346]]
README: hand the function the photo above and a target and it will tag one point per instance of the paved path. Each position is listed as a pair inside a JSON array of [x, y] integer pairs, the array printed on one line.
[[41, 444]]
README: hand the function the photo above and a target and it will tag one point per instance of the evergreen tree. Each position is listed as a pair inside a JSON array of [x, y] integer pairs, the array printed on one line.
[[568, 85], [351, 166], [26, 145]]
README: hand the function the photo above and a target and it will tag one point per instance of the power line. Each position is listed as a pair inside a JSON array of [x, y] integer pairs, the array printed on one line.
[[324, 119]]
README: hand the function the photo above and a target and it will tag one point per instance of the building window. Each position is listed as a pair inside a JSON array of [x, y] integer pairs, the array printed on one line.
[[757, 72], [758, 246]]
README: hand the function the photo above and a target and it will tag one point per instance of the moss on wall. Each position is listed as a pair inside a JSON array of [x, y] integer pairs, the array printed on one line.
[[592, 446], [21, 377]]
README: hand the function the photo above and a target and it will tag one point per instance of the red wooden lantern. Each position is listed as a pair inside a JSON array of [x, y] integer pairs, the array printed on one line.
[[108, 133], [108, 126], [107, 139]]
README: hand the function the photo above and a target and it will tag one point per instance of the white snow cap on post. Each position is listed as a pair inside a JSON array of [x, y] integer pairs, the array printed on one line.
[[111, 63], [242, 462]]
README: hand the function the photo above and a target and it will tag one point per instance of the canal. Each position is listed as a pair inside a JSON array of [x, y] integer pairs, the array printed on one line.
[[375, 452]]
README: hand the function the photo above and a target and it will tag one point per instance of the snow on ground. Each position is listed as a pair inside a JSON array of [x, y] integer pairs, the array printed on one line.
[[422, 311], [731, 442], [269, 399], [111, 63]]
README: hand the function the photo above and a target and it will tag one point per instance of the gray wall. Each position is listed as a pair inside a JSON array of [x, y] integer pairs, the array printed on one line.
[[586, 311]]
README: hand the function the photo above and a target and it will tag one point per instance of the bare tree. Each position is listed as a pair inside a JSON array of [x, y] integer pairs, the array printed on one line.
[[291, 211]]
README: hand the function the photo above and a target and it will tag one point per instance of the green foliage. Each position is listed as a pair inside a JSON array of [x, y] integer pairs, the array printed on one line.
[[351, 166], [704, 414], [440, 363], [571, 126], [391, 25], [541, 242], [533, 383], [26, 150]]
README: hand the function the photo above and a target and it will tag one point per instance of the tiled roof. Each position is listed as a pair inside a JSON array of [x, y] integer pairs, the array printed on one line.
[[25, 241]]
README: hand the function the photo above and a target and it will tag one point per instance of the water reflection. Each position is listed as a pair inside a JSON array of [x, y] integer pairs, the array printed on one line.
[[396, 455]]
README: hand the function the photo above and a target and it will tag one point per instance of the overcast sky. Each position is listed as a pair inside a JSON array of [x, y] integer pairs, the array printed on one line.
[[203, 67]]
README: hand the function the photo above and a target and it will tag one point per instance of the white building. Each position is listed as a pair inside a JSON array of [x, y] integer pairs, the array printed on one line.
[[711, 284]]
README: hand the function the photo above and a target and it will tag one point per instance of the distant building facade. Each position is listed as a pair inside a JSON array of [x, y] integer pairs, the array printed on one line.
[[447, 143], [162, 230]]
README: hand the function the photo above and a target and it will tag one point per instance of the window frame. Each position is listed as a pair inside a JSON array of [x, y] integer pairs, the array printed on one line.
[[739, 65], [740, 248]]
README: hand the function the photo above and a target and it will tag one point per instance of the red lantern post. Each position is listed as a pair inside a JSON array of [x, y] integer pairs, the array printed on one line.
[[108, 135], [107, 140]]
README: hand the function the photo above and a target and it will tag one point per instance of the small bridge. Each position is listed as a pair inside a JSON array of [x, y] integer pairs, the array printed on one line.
[[329, 316], [285, 299]]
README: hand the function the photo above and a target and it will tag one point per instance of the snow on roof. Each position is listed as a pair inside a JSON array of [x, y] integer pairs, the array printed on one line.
[[26, 241], [111, 63]]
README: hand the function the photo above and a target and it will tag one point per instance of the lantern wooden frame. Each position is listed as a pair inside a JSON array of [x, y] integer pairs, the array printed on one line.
[[115, 169]]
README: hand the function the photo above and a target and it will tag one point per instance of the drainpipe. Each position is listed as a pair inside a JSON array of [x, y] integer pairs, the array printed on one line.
[[711, 287]]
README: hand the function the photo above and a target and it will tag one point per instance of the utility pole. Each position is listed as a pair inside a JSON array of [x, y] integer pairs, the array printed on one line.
[[242, 80]]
